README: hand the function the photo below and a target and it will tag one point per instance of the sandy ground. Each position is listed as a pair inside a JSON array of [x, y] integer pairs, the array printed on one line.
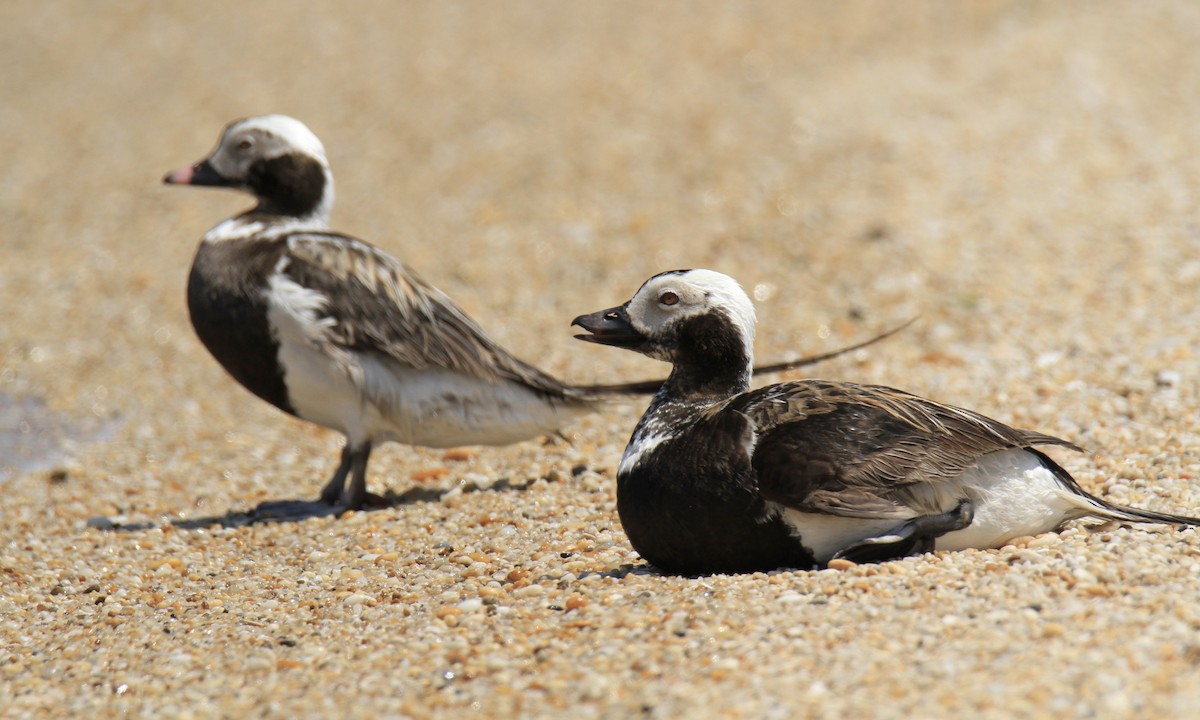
[[1021, 175]]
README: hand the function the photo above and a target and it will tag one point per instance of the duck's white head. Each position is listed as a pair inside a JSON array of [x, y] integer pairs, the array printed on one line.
[[699, 320], [274, 157]]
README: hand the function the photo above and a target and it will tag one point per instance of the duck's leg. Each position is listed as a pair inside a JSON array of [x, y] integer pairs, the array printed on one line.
[[329, 503], [912, 538], [356, 462], [333, 489]]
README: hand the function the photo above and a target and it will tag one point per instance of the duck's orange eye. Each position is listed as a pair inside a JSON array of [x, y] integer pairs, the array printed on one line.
[[668, 298]]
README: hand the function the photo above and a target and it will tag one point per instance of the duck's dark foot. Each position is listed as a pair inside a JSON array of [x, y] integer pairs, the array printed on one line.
[[912, 538], [371, 501]]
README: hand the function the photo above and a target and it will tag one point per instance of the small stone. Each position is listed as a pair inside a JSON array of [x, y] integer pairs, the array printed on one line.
[[432, 473], [1167, 378], [1045, 540], [470, 605], [1053, 630], [261, 662], [529, 591], [477, 570]]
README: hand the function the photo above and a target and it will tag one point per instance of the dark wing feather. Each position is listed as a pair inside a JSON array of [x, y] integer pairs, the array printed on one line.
[[383, 306], [864, 450]]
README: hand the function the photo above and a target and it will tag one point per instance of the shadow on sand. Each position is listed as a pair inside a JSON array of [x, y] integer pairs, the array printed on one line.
[[283, 511]]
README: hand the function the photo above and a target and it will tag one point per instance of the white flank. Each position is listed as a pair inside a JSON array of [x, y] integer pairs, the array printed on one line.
[[435, 407], [369, 395], [1012, 492], [321, 387], [1014, 495], [825, 535]]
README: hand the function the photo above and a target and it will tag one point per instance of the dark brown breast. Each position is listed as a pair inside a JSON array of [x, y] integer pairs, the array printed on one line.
[[229, 313]]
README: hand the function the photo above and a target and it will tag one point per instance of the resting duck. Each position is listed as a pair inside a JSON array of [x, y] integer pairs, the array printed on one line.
[[721, 478]]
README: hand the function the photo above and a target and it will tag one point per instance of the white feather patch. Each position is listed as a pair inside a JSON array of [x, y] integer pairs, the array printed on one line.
[[322, 382], [825, 535], [638, 449], [296, 312], [371, 396], [1014, 494]]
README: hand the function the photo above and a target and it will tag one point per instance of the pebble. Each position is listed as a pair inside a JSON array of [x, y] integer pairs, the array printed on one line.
[[100, 522], [470, 605], [529, 591]]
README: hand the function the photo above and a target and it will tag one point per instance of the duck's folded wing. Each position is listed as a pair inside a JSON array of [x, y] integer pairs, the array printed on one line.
[[867, 451], [377, 304]]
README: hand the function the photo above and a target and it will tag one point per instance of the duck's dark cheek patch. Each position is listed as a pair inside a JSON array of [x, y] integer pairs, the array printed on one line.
[[293, 184], [714, 338]]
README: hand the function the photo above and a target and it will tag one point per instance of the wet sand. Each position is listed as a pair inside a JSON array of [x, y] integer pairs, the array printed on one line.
[[1022, 176]]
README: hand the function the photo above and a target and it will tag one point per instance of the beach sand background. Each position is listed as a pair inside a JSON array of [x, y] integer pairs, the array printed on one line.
[[1021, 175]]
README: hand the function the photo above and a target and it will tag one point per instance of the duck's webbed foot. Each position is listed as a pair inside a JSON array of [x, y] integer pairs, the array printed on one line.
[[336, 498], [911, 538]]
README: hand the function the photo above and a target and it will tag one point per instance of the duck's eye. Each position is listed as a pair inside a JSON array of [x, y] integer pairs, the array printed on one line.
[[245, 145], [668, 298]]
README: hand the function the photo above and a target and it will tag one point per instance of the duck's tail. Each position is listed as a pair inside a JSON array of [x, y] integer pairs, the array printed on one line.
[[1088, 505]]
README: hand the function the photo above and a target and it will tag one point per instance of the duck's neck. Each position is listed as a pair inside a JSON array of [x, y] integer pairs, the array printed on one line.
[[711, 361]]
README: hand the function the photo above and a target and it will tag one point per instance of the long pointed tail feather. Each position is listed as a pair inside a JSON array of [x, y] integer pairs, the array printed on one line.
[[649, 387], [1091, 506]]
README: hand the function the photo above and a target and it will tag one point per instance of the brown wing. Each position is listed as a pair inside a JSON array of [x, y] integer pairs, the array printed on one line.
[[867, 451], [383, 306]]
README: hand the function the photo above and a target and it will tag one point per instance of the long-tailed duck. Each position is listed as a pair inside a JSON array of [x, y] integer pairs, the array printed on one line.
[[333, 330], [719, 478]]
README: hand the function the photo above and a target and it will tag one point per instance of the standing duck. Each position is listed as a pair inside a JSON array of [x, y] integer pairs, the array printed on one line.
[[333, 330]]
